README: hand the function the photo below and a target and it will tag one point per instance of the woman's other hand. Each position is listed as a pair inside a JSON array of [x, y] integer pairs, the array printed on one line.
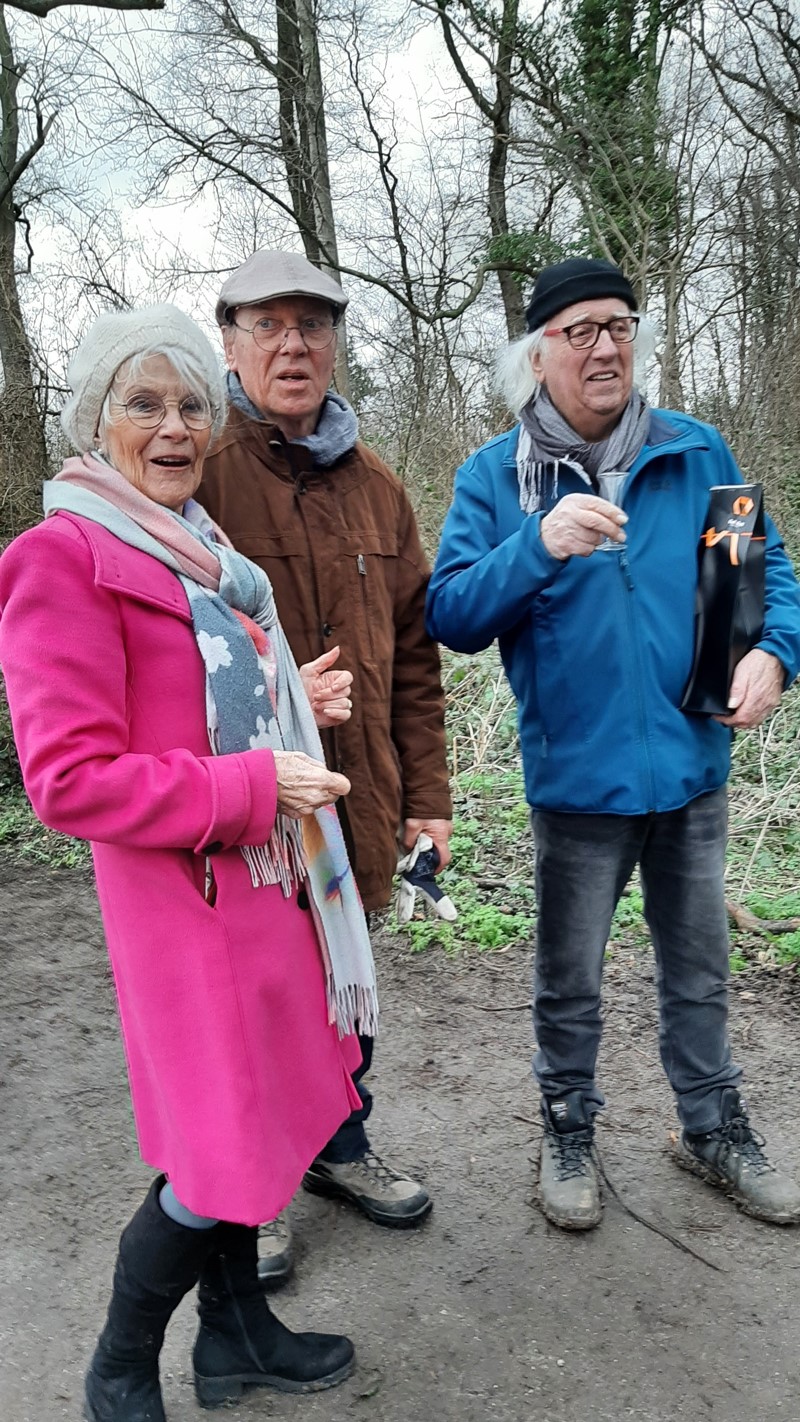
[[305, 785], [328, 691]]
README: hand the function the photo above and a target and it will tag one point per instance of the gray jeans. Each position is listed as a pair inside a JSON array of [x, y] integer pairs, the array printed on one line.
[[583, 863]]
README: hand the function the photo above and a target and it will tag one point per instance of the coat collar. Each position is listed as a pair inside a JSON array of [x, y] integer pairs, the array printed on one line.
[[129, 572]]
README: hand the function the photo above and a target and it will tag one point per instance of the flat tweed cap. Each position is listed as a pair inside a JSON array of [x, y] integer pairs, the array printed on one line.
[[578, 279], [267, 275], [113, 339]]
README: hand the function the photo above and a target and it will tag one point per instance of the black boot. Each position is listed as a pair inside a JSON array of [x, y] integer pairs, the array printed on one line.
[[242, 1344], [158, 1262]]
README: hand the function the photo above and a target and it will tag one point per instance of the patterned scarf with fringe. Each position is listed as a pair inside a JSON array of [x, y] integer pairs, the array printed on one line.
[[254, 700]]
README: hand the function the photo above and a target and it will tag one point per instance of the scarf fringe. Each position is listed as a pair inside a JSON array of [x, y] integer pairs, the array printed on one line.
[[353, 1008], [280, 861], [538, 484]]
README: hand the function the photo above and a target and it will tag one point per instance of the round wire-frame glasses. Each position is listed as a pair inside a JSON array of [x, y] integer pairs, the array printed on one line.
[[148, 411], [317, 332]]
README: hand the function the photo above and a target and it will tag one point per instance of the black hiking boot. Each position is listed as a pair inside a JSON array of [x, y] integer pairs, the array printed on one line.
[[241, 1344], [158, 1262], [732, 1158], [569, 1187]]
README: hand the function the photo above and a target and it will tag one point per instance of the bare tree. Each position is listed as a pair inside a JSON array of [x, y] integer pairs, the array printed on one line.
[[28, 111]]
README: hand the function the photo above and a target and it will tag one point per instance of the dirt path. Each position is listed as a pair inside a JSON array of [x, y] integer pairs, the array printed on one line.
[[487, 1312]]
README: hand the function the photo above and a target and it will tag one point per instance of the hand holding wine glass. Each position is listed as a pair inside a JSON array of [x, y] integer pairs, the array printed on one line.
[[580, 524]]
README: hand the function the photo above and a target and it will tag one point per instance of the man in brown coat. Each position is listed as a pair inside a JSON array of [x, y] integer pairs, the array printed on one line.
[[296, 491]]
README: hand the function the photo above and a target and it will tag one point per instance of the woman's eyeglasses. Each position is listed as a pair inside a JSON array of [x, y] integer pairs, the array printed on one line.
[[147, 411]]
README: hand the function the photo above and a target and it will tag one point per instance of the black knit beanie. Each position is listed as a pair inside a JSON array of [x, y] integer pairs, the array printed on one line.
[[578, 279]]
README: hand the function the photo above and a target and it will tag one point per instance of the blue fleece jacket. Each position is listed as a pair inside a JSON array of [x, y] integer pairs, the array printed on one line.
[[598, 650]]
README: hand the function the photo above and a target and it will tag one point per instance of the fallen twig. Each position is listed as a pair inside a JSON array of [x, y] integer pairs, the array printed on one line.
[[656, 1229], [751, 923], [512, 1007]]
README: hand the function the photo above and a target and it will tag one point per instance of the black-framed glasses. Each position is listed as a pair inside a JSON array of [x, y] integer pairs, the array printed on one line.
[[317, 332], [582, 335], [147, 411]]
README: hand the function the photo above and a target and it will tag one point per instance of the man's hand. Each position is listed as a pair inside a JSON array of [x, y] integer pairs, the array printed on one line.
[[578, 523], [305, 785], [756, 689], [439, 831], [328, 691]]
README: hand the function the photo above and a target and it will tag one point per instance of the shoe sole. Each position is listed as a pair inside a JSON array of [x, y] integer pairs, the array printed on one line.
[[328, 1188], [711, 1177], [216, 1392], [271, 1282]]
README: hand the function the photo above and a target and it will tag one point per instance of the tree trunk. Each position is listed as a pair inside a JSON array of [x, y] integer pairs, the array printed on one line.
[[304, 141], [23, 451], [498, 163]]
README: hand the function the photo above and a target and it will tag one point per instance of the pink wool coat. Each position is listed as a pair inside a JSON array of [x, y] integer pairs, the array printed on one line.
[[236, 1077]]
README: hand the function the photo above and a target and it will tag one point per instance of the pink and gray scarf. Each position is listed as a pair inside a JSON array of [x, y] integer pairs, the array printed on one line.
[[254, 699]]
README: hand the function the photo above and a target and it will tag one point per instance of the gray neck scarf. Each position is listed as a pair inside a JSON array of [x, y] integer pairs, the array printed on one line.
[[337, 426], [547, 441]]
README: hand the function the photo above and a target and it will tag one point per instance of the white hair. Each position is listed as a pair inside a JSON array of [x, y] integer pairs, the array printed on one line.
[[187, 368], [517, 383]]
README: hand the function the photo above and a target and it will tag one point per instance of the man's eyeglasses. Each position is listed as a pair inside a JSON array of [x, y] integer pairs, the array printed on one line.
[[147, 411], [317, 332], [582, 335]]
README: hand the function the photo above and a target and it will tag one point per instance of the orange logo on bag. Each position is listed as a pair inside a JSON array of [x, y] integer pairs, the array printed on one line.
[[742, 506]]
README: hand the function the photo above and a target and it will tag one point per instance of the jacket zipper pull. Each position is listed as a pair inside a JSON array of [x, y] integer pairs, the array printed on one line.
[[362, 567], [626, 569]]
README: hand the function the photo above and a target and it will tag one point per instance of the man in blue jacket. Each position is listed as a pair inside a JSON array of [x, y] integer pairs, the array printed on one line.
[[573, 540]]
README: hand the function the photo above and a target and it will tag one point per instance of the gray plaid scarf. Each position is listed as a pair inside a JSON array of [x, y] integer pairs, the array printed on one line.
[[547, 441]]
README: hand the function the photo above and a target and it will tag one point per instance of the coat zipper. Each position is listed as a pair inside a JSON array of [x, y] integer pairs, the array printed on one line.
[[361, 564], [625, 569]]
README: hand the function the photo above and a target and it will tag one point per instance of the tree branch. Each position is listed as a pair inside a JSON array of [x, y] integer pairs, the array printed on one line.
[[41, 8]]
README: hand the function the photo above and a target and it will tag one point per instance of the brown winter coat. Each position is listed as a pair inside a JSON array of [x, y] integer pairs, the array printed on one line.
[[342, 552]]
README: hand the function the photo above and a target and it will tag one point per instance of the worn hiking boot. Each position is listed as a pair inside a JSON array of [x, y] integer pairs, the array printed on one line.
[[569, 1187], [732, 1158], [383, 1195], [275, 1253]]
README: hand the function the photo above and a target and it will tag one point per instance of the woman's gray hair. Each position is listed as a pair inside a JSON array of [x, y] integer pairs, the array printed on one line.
[[515, 379], [187, 368]]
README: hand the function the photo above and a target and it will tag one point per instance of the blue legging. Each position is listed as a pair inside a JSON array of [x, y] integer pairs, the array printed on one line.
[[172, 1207]]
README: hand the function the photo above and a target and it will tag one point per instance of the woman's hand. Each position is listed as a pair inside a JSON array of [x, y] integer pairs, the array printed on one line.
[[328, 691], [305, 785]]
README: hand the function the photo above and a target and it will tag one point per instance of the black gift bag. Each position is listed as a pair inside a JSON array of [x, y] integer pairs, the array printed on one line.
[[729, 610]]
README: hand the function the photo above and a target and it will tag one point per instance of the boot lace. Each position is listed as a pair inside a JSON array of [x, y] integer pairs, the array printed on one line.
[[574, 1153], [737, 1137], [374, 1169]]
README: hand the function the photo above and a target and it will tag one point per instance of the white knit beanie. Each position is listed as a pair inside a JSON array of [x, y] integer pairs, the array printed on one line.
[[113, 339]]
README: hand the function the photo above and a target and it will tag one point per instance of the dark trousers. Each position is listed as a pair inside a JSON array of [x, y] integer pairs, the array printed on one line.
[[583, 863], [350, 1141]]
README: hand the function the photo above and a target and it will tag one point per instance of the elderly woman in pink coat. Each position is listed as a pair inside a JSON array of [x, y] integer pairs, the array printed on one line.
[[158, 713]]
